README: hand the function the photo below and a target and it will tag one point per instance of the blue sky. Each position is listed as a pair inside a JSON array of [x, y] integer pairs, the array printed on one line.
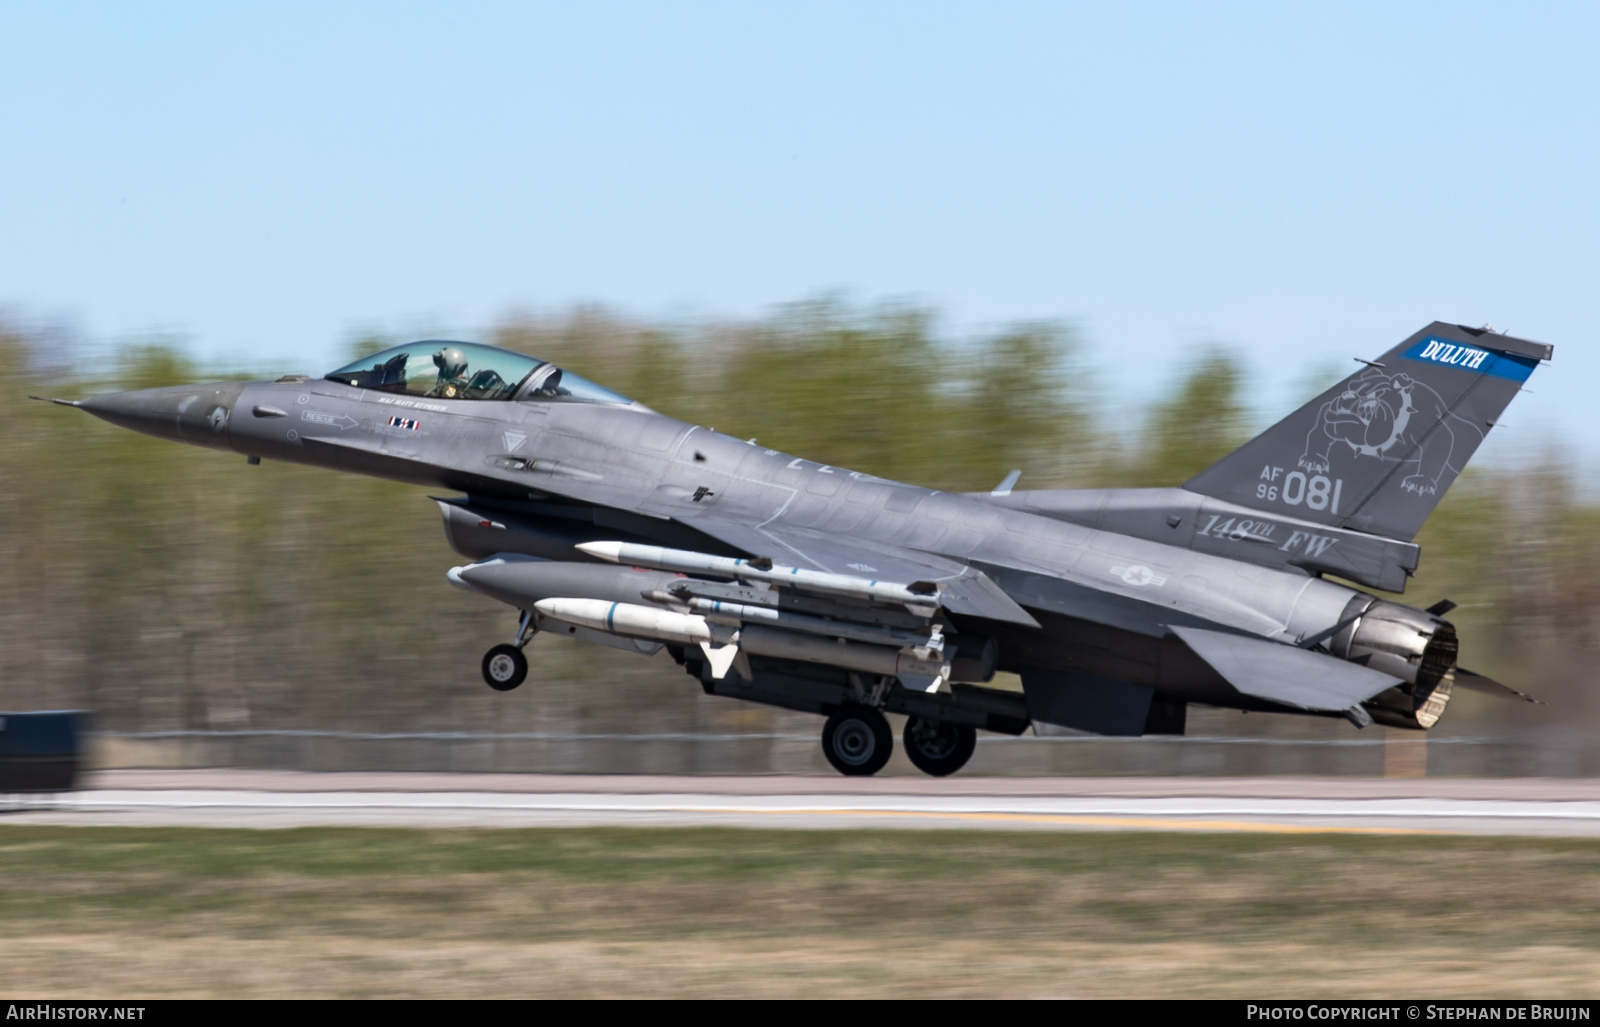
[[1303, 182]]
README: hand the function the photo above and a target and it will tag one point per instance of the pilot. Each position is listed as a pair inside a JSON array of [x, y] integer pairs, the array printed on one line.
[[452, 365]]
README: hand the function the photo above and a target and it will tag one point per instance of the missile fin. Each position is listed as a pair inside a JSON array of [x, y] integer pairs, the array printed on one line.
[[721, 658]]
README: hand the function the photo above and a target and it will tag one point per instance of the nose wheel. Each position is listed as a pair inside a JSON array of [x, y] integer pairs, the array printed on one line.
[[857, 741], [504, 666], [938, 748]]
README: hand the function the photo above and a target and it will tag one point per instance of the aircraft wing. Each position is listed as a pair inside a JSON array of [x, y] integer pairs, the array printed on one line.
[[963, 590], [1284, 673]]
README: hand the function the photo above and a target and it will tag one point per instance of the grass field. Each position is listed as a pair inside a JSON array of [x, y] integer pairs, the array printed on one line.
[[616, 912]]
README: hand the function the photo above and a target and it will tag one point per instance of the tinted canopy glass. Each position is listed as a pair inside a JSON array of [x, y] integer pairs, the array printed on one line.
[[559, 384], [441, 370], [467, 370]]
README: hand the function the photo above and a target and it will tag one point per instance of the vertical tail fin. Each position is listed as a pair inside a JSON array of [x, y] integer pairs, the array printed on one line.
[[1375, 452]]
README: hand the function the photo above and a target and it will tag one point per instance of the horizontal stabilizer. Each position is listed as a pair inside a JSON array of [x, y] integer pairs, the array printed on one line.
[[1488, 686], [1283, 673]]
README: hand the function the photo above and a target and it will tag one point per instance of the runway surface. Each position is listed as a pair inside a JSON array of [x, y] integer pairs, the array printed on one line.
[[269, 799]]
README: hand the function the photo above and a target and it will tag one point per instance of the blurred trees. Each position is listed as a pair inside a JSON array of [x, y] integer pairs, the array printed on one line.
[[170, 587], [873, 390], [1201, 421]]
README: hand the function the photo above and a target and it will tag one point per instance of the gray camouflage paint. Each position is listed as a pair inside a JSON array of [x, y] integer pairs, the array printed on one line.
[[1091, 585]]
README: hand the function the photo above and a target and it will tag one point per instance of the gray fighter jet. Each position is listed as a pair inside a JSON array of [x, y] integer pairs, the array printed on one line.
[[779, 580]]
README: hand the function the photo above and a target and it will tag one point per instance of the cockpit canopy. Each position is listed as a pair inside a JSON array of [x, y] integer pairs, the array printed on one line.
[[441, 369]]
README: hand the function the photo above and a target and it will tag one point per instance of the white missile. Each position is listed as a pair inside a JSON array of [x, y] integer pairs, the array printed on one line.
[[923, 594], [737, 613], [647, 622], [631, 619]]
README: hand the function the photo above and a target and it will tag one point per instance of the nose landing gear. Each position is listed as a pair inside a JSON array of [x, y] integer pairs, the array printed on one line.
[[504, 666]]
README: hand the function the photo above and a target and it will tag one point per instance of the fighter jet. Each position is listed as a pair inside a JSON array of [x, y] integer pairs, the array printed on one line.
[[780, 580]]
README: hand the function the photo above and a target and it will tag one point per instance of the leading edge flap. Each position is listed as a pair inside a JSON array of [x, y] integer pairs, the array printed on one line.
[[1284, 673]]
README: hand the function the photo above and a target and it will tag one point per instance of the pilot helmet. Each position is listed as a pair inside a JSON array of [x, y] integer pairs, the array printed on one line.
[[451, 362]]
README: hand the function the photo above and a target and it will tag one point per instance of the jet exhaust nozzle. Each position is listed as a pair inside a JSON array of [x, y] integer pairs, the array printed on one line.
[[1414, 645]]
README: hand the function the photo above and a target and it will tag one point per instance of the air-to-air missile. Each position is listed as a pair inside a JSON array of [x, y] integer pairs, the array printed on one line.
[[916, 594], [784, 581]]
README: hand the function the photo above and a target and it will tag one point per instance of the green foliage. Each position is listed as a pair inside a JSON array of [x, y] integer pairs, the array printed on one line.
[[1203, 420], [873, 390], [649, 364], [368, 343]]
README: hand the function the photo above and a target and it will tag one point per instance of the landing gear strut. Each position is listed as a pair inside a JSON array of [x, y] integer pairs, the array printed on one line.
[[504, 666], [857, 741], [937, 747]]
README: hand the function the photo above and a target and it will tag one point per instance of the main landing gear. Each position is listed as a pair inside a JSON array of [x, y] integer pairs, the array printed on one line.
[[504, 666], [937, 747], [857, 740]]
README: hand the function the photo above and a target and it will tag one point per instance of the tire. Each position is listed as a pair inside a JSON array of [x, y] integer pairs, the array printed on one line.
[[857, 741], [504, 667], [937, 747]]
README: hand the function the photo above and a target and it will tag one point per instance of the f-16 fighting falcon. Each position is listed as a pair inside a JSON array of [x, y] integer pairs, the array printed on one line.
[[775, 579]]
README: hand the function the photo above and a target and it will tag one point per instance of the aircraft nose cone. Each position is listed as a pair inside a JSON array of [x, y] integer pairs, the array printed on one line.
[[197, 414]]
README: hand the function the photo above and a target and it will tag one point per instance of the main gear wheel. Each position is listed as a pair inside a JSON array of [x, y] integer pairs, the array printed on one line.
[[857, 741], [938, 747]]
